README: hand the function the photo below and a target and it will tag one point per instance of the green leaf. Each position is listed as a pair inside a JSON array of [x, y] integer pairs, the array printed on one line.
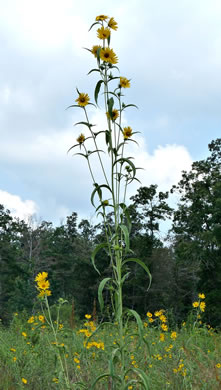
[[98, 190], [126, 237], [143, 377], [93, 70], [98, 379], [93, 25], [128, 161], [129, 105], [143, 265], [72, 147], [74, 105], [89, 125], [97, 90], [127, 215], [138, 319], [95, 251], [100, 292], [110, 104]]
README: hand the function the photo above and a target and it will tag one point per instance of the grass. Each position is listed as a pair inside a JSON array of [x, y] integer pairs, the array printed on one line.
[[185, 358]]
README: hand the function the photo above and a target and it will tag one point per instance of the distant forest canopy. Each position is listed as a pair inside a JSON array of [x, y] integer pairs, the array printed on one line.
[[189, 265]]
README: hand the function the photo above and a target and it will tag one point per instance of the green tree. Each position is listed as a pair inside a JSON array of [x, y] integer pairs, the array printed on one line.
[[197, 231]]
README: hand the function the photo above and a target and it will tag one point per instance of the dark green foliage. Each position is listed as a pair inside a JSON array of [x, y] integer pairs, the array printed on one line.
[[192, 264]]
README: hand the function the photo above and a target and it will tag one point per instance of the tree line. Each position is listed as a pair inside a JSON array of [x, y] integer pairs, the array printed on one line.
[[189, 262]]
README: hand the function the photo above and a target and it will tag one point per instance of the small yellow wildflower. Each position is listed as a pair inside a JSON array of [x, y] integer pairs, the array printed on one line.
[[101, 17], [43, 284], [88, 316], [162, 336], [164, 327], [202, 306], [14, 359], [195, 304], [31, 320], [115, 114], [12, 349], [41, 318], [173, 335], [44, 293], [80, 139], [127, 133], [108, 55], [148, 313], [55, 380], [218, 365], [24, 334], [103, 33], [95, 49], [201, 296], [41, 276], [163, 318], [24, 381], [124, 82], [112, 24], [83, 99]]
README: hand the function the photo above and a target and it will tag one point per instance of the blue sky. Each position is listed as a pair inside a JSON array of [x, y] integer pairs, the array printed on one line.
[[172, 52]]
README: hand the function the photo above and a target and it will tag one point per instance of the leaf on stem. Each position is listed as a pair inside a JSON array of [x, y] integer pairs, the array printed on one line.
[[97, 90]]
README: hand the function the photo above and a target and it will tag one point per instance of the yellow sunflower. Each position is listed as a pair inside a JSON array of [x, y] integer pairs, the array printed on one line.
[[103, 32], [115, 114], [41, 276], [127, 133], [112, 24], [95, 49], [81, 139], [83, 99], [124, 82], [44, 293], [101, 17], [108, 55], [44, 284]]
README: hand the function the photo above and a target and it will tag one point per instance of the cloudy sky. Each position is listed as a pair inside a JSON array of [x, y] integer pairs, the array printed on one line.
[[172, 52]]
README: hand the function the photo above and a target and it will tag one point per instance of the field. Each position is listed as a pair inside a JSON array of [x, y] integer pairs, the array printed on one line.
[[32, 354]]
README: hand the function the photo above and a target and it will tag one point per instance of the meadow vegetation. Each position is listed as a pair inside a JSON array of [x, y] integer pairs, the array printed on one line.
[[111, 306]]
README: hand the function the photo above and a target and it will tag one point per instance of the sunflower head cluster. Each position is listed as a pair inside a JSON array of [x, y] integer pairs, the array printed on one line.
[[104, 33], [43, 285]]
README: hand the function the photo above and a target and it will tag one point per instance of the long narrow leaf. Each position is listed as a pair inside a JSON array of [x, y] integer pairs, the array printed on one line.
[[143, 265], [95, 251], [100, 292], [97, 90]]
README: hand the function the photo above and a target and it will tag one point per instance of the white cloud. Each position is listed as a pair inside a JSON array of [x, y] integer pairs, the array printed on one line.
[[22, 209], [163, 167]]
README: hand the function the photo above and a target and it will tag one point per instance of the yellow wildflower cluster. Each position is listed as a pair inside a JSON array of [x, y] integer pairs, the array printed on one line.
[[180, 369], [77, 360], [43, 285], [98, 345], [90, 327], [163, 319], [201, 303]]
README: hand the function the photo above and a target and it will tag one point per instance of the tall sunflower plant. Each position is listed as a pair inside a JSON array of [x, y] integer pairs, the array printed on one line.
[[118, 172]]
